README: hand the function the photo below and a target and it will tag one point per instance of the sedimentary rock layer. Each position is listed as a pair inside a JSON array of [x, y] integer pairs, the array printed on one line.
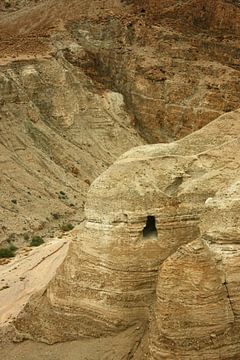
[[82, 82], [159, 250]]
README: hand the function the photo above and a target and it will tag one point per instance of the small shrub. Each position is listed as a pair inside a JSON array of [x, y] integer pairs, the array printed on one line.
[[67, 227], [7, 253], [36, 241], [13, 248]]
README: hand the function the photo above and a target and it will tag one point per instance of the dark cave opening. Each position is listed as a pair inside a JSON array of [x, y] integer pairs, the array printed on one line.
[[150, 229]]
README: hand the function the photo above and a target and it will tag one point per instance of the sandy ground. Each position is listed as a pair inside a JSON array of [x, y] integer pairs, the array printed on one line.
[[30, 272], [27, 274], [114, 348]]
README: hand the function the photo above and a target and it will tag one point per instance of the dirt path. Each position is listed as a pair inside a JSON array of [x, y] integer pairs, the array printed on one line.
[[114, 348]]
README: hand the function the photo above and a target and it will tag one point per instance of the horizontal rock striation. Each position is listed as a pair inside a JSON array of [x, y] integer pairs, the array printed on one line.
[[57, 136], [82, 82], [159, 250]]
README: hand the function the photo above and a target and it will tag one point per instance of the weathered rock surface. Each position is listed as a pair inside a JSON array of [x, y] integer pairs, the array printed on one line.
[[159, 252], [82, 82], [28, 274], [57, 136], [154, 268]]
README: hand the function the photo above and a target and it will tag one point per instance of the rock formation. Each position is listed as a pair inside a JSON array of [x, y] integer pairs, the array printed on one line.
[[158, 252], [82, 82], [57, 136], [154, 265]]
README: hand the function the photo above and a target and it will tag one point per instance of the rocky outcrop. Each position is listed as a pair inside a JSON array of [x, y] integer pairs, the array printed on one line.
[[27, 275], [81, 83], [158, 251], [154, 266], [57, 136]]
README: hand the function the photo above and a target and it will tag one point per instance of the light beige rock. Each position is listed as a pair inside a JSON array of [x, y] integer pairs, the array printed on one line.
[[177, 283], [57, 135], [82, 82], [72, 100]]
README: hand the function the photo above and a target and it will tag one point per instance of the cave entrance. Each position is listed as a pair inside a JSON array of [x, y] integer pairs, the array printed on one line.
[[150, 229]]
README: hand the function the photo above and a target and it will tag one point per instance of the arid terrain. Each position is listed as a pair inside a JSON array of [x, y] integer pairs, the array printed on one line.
[[82, 83]]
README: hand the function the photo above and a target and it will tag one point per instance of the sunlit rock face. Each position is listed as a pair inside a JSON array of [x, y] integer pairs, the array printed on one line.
[[159, 250], [156, 255], [81, 82]]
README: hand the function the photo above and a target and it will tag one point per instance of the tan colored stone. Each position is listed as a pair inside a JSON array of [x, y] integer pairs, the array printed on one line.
[[179, 285]]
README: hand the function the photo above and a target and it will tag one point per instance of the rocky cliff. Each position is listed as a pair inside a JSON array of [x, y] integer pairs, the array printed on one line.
[[153, 268], [83, 82], [158, 254]]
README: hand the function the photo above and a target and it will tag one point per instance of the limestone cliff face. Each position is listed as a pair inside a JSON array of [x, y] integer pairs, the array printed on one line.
[[82, 82], [154, 265], [57, 136], [159, 251]]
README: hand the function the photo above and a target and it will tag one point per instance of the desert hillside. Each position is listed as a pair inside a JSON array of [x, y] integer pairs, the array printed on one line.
[[81, 82], [114, 114], [153, 269]]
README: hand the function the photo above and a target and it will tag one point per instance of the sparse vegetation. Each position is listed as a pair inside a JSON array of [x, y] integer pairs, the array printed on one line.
[[36, 241], [13, 248], [67, 227], [8, 252]]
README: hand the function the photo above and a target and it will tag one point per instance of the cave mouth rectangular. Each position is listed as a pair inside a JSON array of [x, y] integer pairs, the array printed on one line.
[[150, 229]]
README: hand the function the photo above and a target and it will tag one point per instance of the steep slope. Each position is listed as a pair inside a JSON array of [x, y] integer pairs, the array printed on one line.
[[57, 135], [173, 287], [83, 82]]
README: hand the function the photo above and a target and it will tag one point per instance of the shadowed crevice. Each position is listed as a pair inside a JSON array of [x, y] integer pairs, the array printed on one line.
[[150, 229]]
